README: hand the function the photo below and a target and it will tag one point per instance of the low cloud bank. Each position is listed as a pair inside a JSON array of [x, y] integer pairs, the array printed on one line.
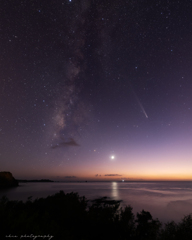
[[112, 175], [70, 177], [97, 175]]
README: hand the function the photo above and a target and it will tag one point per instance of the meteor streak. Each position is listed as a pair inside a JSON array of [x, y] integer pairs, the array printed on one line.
[[141, 106]]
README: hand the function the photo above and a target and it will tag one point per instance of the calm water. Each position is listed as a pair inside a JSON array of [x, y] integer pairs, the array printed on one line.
[[164, 200]]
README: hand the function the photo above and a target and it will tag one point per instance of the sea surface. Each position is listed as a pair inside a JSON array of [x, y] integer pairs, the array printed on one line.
[[166, 201]]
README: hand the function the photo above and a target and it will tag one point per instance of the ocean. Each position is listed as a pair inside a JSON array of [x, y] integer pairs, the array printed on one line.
[[166, 201]]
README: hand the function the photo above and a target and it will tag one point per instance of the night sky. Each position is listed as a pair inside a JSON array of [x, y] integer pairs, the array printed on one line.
[[96, 89]]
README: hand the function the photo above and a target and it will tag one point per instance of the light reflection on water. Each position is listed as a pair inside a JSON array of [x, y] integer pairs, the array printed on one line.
[[164, 200], [115, 190]]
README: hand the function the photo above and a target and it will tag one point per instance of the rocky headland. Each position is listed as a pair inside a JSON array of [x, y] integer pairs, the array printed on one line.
[[7, 180], [42, 180]]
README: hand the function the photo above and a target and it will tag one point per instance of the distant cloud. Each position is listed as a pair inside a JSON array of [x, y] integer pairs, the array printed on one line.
[[70, 177], [112, 175], [97, 175], [71, 142]]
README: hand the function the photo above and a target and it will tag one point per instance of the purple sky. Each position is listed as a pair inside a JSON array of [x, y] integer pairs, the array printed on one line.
[[96, 90]]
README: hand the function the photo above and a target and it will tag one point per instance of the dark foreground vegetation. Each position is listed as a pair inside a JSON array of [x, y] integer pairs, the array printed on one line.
[[68, 216]]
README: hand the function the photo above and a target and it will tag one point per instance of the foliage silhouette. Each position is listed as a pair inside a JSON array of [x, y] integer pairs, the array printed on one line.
[[68, 216], [147, 227]]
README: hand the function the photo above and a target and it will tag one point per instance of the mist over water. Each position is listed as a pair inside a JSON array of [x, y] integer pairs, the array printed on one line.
[[164, 200]]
